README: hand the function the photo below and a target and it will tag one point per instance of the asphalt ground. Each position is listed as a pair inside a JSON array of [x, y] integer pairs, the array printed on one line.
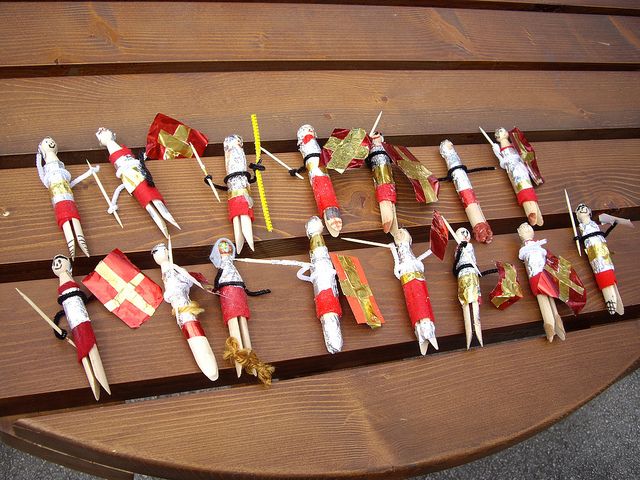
[[601, 440]]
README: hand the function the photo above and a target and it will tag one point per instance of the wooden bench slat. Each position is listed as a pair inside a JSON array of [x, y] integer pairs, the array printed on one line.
[[218, 104], [608, 183], [435, 413], [110, 34], [155, 358]]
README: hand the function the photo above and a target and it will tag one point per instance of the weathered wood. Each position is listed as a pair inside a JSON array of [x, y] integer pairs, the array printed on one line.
[[217, 36], [383, 421], [155, 358], [414, 103], [609, 183]]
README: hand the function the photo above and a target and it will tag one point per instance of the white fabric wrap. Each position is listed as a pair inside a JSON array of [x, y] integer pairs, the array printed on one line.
[[425, 329], [311, 146], [516, 169], [129, 171], [598, 264], [74, 309], [407, 261], [533, 256], [229, 271], [176, 292], [467, 256], [323, 275]]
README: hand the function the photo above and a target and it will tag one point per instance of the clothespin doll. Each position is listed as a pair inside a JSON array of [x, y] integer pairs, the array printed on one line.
[[520, 173], [550, 277], [465, 269], [137, 180], [177, 283], [595, 245], [325, 196], [57, 179], [380, 163], [458, 174], [73, 300], [235, 312]]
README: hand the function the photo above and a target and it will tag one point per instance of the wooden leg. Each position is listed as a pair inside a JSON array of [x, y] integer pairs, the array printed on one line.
[[166, 214], [466, 315], [204, 357], [80, 236], [619, 304], [157, 219], [476, 322], [93, 383], [532, 211], [246, 339], [612, 300], [547, 316], [386, 215], [237, 234], [234, 331], [68, 236], [559, 326], [98, 369], [247, 230], [334, 225]]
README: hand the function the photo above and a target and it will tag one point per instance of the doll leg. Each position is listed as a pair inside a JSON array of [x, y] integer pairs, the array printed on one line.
[[234, 331], [532, 210], [611, 296], [237, 234], [98, 369], [547, 316], [387, 215], [77, 227], [476, 322], [246, 339], [559, 326], [333, 221], [466, 315], [93, 383], [166, 214], [247, 230], [157, 219], [68, 236]]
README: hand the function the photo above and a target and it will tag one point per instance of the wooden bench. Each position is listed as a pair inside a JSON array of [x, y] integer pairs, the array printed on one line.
[[564, 71]]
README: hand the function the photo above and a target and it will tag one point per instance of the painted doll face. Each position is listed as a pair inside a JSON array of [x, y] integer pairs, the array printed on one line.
[[105, 135], [525, 232], [304, 131], [60, 265], [502, 134], [583, 213], [463, 234], [160, 253]]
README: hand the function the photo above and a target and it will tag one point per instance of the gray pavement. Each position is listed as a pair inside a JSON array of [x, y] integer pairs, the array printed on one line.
[[599, 441]]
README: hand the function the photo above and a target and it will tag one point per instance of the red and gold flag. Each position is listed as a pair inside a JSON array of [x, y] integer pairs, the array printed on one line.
[[346, 149], [559, 280], [168, 138], [123, 289], [508, 290], [425, 184], [438, 235], [355, 287], [527, 153]]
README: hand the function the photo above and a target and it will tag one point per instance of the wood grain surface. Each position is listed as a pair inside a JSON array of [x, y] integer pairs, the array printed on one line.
[[218, 104], [109, 34], [434, 413], [608, 183], [155, 359]]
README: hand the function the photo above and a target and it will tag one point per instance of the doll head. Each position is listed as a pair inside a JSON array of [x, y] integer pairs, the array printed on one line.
[[502, 134], [231, 142], [48, 149], [160, 253], [223, 248], [402, 236], [60, 264], [314, 226], [105, 136], [463, 234], [445, 147], [377, 138], [525, 232], [304, 132], [583, 213]]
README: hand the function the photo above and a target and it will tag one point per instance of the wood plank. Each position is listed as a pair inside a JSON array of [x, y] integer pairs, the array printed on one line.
[[155, 359], [386, 421], [109, 34], [608, 183]]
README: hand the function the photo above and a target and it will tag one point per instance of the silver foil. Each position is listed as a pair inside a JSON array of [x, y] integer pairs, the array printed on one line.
[[426, 332], [332, 333]]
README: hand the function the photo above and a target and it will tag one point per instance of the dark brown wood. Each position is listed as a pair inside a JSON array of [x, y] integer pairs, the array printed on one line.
[[155, 359], [28, 216], [383, 421], [108, 34]]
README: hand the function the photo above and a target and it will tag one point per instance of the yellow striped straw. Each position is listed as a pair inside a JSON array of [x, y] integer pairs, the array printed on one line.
[[263, 196]]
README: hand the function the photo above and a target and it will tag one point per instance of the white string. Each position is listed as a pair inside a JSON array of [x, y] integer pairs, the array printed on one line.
[[85, 175], [113, 205]]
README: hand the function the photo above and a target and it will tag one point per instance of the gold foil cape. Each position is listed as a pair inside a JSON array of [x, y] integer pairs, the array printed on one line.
[[126, 290], [175, 143], [345, 150], [354, 286], [132, 178], [238, 193], [600, 251], [509, 285], [60, 188], [382, 174], [564, 282], [418, 172], [468, 288], [407, 277], [522, 185]]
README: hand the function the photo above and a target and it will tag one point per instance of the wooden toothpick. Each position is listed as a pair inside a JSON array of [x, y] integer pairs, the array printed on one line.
[[573, 222], [367, 242], [44, 316], [375, 124], [266, 152], [204, 170], [104, 193]]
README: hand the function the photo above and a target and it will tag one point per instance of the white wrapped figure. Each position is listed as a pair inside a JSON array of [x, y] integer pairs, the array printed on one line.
[[595, 246], [465, 268], [136, 180], [177, 284], [57, 179], [323, 192]]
